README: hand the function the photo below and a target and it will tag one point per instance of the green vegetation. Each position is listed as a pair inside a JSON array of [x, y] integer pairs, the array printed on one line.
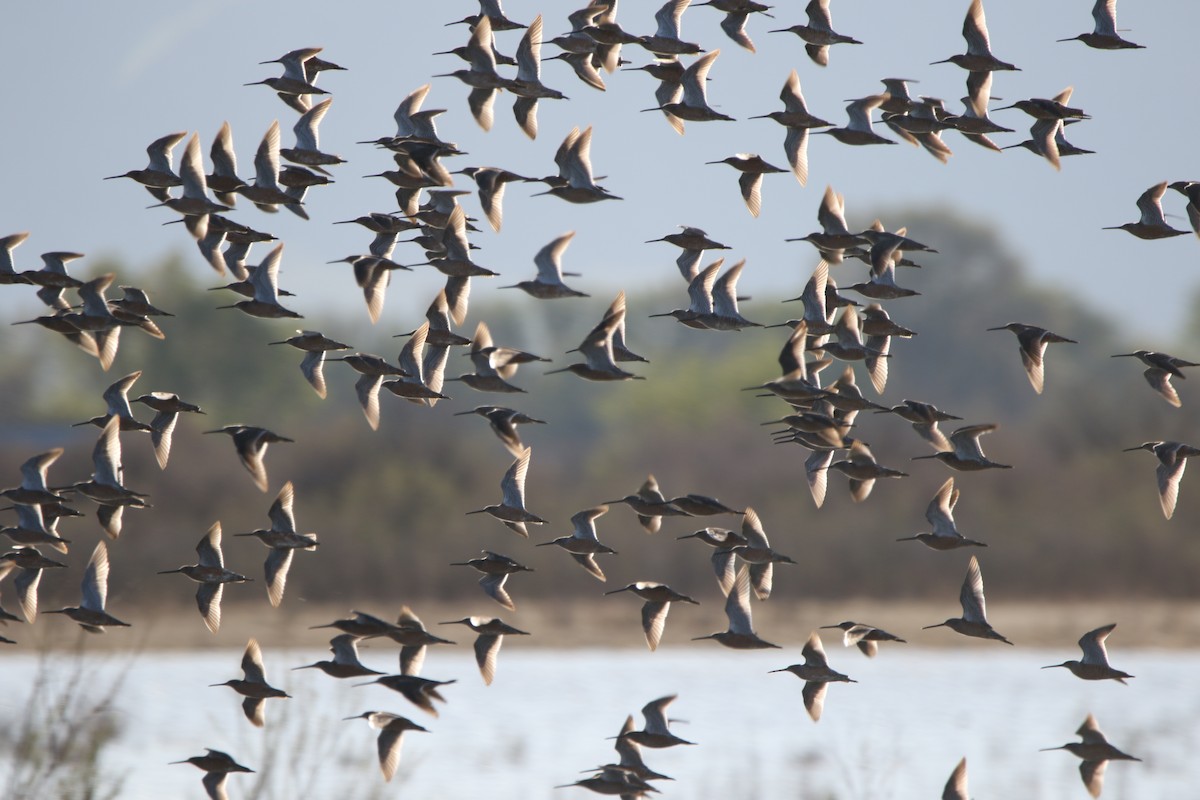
[[1075, 518]]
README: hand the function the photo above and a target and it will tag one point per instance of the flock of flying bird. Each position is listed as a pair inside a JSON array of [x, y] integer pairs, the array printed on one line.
[[820, 415]]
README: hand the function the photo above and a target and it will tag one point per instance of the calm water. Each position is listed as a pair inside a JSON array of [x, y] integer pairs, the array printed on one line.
[[896, 734]]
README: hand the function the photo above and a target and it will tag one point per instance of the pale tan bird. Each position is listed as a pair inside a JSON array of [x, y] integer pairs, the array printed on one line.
[[495, 568], [1104, 34], [282, 538], [693, 106], [315, 345], [251, 444], [818, 34], [90, 613], [1033, 341], [575, 183], [1160, 368], [973, 621], [211, 574], [655, 733], [511, 509], [740, 635], [978, 57], [1153, 223], [865, 637], [391, 729], [1095, 751], [492, 631], [600, 348], [797, 119], [345, 663], [1172, 460], [1094, 665], [658, 597], [29, 564], [816, 674], [167, 407], [548, 284], [217, 766], [862, 470], [940, 513], [967, 454], [651, 505], [253, 686], [106, 487], [755, 552], [583, 544]]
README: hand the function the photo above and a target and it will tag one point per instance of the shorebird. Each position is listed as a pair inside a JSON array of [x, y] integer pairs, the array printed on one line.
[[511, 510], [503, 422], [253, 686], [797, 119], [264, 281], [90, 613], [308, 148], [106, 488], [492, 631], [295, 81], [756, 552], [33, 489], [818, 34], [667, 40], [858, 130], [863, 470], [694, 107], [159, 174], [1095, 751], [693, 242], [582, 544], [282, 538], [1094, 666], [651, 505], [482, 76], [421, 692], [33, 529], [1172, 460], [345, 663], [266, 191], [600, 348], [493, 364], [736, 13], [251, 445], [29, 564], [574, 182], [548, 284], [973, 621], [1160, 368], [940, 513], [699, 505], [217, 765], [495, 15], [391, 729], [1153, 224], [967, 455], [978, 57], [740, 634], [956, 786], [413, 385], [211, 574], [924, 418], [658, 597], [816, 674], [1104, 35], [974, 123], [1033, 341], [8, 268], [753, 167], [613, 780], [528, 86], [865, 637], [1051, 109], [223, 180], [315, 344], [490, 183], [834, 236], [655, 732], [495, 568]]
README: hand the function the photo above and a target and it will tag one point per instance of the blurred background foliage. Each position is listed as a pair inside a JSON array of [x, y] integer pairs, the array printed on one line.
[[1076, 517]]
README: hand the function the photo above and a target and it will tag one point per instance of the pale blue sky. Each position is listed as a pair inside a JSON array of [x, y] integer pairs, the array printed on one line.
[[90, 85]]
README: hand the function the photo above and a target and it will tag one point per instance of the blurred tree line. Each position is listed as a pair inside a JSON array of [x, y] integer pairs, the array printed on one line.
[[1075, 518]]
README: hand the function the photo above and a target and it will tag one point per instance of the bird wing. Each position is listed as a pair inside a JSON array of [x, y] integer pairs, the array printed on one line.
[[1092, 645], [282, 518], [512, 486], [529, 53], [956, 786], [1169, 474], [306, 127], [814, 652], [209, 548], [311, 369], [975, 30], [487, 649], [737, 604], [971, 597], [95, 579], [814, 698], [389, 745], [208, 600], [940, 511], [276, 567], [694, 78], [161, 428], [549, 259], [655, 714], [493, 586], [654, 620], [795, 144], [252, 663]]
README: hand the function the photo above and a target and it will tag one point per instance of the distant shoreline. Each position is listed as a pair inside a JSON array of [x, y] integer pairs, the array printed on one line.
[[615, 623]]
